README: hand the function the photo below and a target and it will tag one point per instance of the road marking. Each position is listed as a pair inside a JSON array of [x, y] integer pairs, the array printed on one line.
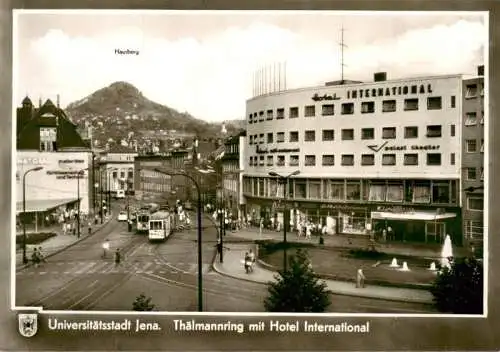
[[42, 272], [162, 272], [136, 249], [146, 266], [98, 267], [60, 263]]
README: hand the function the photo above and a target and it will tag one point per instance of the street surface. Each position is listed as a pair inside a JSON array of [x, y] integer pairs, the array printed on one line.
[[78, 278]]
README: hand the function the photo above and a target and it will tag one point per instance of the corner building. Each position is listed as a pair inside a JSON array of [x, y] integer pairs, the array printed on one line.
[[370, 156]]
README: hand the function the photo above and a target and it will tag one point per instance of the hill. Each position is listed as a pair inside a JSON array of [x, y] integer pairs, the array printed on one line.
[[120, 108]]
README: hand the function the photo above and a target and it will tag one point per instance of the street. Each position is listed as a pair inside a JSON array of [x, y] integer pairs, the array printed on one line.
[[78, 278]]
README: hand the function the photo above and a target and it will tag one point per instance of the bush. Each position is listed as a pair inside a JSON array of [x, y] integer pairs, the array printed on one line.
[[34, 238], [459, 289], [142, 303], [297, 289], [271, 246]]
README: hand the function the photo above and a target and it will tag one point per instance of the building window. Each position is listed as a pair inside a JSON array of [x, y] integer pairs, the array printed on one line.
[[261, 116], [310, 160], [434, 103], [377, 192], [328, 160], [452, 130], [367, 133], [310, 111], [482, 118], [314, 189], [421, 192], [300, 189], [411, 104], [328, 135], [411, 159], [270, 160], [471, 145], [470, 173], [474, 230], [389, 106], [336, 191], [347, 108], [122, 174], [270, 137], [347, 134], [115, 174], [250, 119], [367, 107], [482, 90], [353, 190], [388, 159], [471, 91], [294, 112], [250, 162], [389, 132], [441, 192], [48, 139], [280, 137], [367, 159], [280, 114], [310, 136], [269, 115], [395, 192], [281, 160], [475, 203], [294, 136], [261, 138], [452, 158], [482, 146], [470, 119], [294, 160], [453, 101], [433, 159], [347, 160], [130, 174], [327, 110], [261, 160], [411, 132], [434, 131]]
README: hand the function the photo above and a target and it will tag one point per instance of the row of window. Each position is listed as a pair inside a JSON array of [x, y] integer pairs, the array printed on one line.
[[471, 91], [410, 104], [471, 118], [404, 191], [474, 229], [471, 146], [432, 131], [432, 159]]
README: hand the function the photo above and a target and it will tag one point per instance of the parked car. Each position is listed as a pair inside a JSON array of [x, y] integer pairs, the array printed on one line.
[[122, 216]]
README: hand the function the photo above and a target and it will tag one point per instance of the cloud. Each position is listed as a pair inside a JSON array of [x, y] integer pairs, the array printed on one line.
[[211, 76]]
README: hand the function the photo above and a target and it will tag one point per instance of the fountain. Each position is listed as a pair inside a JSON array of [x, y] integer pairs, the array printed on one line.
[[405, 267], [446, 252], [394, 263], [432, 267]]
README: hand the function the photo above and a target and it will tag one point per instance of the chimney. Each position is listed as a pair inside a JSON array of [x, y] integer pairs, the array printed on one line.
[[480, 70], [57, 100], [380, 76]]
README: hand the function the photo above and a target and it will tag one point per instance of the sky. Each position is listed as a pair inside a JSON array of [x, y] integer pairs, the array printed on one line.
[[204, 63]]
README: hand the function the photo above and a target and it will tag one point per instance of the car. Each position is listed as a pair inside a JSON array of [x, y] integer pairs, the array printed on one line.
[[122, 216]]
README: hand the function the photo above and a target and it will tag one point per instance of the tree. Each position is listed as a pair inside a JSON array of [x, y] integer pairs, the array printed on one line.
[[297, 289], [459, 289], [142, 303]]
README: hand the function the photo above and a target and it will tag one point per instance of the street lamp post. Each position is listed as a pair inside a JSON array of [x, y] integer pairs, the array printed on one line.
[[200, 264], [284, 180], [78, 200], [100, 189], [38, 168]]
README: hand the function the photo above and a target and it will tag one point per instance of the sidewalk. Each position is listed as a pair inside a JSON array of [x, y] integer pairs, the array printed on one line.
[[57, 243], [347, 241], [233, 267]]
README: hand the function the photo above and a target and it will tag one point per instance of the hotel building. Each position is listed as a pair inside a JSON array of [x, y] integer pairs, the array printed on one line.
[[370, 155], [232, 176], [473, 162]]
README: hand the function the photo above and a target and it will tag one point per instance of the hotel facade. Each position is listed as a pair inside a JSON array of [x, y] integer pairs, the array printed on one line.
[[369, 156]]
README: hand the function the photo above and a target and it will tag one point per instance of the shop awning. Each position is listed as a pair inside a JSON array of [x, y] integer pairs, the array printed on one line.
[[40, 205], [416, 215]]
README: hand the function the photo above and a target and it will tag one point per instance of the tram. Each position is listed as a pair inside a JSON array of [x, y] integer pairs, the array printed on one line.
[[160, 225]]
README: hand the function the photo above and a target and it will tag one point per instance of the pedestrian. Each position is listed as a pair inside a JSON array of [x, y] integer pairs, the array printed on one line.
[[41, 256], [247, 261], [105, 247], [251, 257], [118, 257], [360, 279], [261, 226], [384, 235], [35, 258], [390, 233]]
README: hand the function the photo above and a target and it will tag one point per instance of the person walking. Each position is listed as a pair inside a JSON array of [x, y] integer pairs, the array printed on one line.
[[105, 247], [251, 258], [118, 257], [41, 257], [360, 279], [247, 262], [35, 258]]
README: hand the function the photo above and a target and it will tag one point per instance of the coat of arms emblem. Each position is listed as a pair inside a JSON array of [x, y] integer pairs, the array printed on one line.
[[28, 324]]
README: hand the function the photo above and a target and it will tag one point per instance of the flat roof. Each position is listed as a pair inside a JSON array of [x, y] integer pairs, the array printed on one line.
[[42, 204]]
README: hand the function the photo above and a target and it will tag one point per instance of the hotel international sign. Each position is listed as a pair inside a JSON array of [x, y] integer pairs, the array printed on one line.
[[378, 92]]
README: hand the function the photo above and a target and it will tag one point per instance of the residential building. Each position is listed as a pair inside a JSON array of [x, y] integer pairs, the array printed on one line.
[[117, 169], [232, 174], [473, 162], [370, 156]]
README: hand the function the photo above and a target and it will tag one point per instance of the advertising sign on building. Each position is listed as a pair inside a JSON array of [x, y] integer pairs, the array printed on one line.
[[63, 176]]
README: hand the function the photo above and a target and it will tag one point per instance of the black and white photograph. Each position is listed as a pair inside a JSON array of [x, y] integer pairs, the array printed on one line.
[[327, 162]]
